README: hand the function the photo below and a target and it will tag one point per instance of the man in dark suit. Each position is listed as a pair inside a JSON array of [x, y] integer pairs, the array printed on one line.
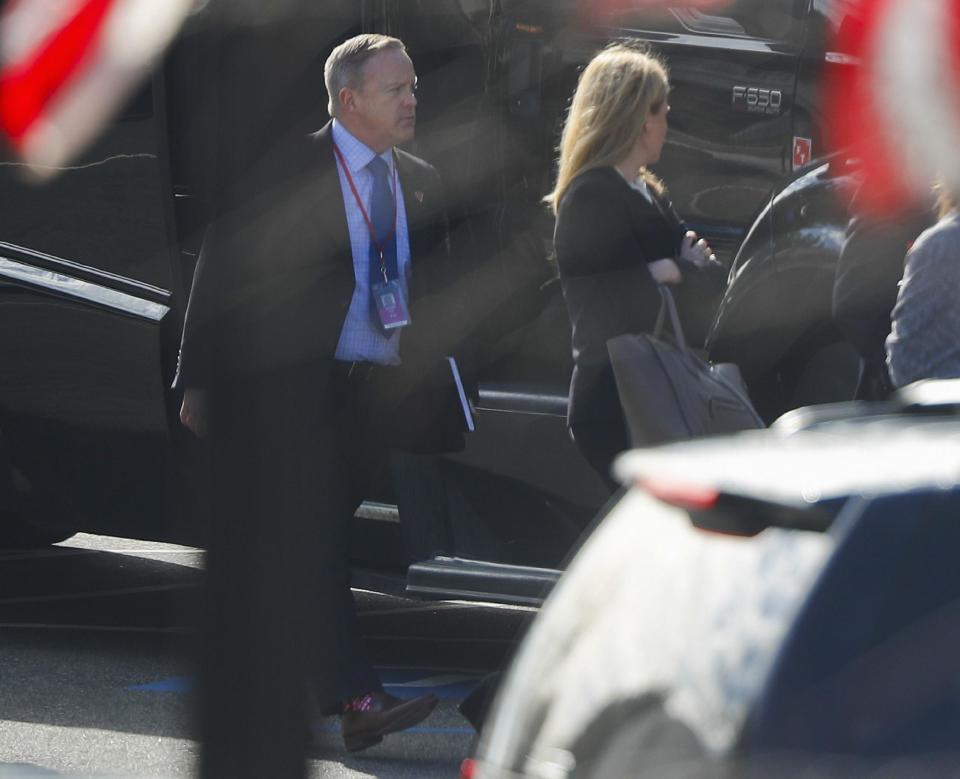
[[312, 343]]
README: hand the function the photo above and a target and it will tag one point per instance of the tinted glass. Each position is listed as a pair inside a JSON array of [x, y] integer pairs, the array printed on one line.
[[764, 19], [106, 210]]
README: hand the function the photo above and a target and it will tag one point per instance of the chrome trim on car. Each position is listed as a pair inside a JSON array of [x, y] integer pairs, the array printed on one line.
[[126, 284], [86, 291], [379, 512], [527, 399]]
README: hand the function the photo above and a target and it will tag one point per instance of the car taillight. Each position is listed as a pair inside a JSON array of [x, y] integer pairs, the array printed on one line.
[[717, 511], [686, 496], [709, 510]]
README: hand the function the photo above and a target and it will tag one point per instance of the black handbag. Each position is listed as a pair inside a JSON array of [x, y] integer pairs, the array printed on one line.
[[670, 393]]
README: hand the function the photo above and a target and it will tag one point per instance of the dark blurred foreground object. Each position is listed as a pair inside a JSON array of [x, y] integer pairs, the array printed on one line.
[[776, 603], [67, 67], [304, 397]]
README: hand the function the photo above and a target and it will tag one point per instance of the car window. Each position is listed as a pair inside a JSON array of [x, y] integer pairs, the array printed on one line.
[[765, 19], [775, 19], [106, 210], [838, 15]]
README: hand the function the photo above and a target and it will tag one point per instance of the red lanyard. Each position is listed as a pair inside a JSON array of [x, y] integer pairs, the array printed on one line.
[[366, 218]]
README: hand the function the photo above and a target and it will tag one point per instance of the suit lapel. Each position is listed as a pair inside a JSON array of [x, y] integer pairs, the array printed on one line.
[[331, 210], [415, 201], [332, 214], [653, 206], [665, 211]]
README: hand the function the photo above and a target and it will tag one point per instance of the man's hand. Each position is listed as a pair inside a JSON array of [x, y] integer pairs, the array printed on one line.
[[665, 271], [696, 250], [193, 412]]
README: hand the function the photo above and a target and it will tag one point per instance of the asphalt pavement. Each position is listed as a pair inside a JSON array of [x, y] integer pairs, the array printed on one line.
[[97, 676]]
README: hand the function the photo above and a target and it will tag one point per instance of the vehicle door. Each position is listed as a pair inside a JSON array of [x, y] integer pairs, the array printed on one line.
[[87, 285]]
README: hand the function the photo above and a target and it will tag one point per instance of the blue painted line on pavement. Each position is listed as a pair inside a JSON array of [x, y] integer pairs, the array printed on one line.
[[450, 692], [421, 729], [405, 675], [409, 683], [174, 684], [402, 682]]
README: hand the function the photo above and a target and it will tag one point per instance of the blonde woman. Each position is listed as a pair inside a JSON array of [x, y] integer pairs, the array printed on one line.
[[617, 235]]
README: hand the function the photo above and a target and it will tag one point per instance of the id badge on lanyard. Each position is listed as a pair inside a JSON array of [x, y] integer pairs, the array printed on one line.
[[388, 294], [391, 306]]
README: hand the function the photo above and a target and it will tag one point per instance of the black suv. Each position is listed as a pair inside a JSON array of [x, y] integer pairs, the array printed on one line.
[[95, 267]]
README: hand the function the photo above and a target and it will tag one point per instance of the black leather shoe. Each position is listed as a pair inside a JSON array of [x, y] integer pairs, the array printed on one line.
[[387, 714]]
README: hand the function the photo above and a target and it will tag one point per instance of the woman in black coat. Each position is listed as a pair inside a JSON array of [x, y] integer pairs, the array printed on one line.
[[617, 236]]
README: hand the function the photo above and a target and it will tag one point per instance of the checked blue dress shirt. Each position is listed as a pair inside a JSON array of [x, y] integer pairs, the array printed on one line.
[[360, 340]]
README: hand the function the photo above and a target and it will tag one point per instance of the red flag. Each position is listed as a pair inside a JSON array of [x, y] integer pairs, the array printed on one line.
[[899, 110], [67, 65]]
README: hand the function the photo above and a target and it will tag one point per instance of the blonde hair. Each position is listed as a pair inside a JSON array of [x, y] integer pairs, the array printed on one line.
[[616, 93]]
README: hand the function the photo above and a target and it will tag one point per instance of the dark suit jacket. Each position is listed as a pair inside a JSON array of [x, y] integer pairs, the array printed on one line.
[[606, 234], [275, 279], [868, 273]]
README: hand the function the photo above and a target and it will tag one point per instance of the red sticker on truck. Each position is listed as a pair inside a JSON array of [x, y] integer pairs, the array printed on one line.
[[802, 151]]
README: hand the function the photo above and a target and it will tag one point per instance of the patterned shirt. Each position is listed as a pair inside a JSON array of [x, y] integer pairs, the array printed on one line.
[[924, 340], [359, 339]]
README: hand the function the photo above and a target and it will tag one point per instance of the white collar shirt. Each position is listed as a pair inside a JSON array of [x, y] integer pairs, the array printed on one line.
[[360, 340], [641, 186]]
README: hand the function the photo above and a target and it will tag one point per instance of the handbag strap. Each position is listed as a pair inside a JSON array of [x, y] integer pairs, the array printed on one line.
[[668, 306]]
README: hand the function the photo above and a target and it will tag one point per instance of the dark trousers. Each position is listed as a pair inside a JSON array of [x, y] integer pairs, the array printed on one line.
[[286, 461]]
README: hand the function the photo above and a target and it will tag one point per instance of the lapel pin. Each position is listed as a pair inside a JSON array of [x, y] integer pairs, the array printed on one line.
[[418, 196]]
